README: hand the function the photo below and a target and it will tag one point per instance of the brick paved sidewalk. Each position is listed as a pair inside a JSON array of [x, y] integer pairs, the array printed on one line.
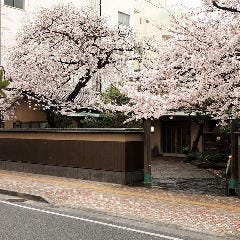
[[217, 214]]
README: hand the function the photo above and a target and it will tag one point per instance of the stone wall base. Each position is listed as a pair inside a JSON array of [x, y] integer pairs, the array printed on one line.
[[70, 172]]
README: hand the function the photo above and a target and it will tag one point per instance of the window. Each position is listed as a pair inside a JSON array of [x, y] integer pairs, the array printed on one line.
[[123, 19], [19, 124], [15, 3], [166, 37]]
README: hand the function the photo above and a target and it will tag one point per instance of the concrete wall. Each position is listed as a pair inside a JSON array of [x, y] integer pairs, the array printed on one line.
[[149, 17], [26, 112], [156, 135], [110, 10]]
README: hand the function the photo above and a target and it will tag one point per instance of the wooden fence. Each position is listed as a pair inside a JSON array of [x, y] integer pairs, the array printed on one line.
[[112, 155]]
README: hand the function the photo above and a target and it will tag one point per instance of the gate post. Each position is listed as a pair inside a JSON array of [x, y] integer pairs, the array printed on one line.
[[233, 185], [147, 152]]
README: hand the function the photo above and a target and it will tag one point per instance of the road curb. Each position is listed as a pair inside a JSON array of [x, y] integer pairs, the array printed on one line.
[[24, 195], [175, 229]]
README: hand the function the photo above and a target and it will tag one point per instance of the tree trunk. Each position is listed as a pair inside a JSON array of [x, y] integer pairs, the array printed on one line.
[[81, 84], [199, 134]]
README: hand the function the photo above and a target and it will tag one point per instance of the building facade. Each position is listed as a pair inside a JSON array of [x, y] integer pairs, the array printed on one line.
[[14, 13], [150, 17]]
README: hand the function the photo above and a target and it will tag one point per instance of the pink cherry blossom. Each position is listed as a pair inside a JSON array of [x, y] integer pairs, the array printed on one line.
[[60, 55], [198, 69]]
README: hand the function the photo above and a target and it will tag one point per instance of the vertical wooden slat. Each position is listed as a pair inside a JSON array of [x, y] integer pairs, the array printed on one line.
[[114, 156]]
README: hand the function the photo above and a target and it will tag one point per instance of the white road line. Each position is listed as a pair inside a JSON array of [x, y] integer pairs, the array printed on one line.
[[91, 221]]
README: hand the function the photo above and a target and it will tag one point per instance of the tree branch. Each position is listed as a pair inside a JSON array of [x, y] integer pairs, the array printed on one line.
[[76, 41], [79, 86], [229, 9]]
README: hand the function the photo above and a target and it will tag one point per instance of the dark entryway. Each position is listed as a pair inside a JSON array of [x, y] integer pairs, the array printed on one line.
[[176, 135]]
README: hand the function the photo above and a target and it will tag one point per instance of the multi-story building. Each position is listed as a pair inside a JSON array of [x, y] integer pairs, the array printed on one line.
[[146, 17], [150, 17], [15, 12]]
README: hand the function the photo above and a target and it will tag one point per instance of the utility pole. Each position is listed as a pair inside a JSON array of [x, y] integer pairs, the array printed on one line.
[[99, 75], [100, 8]]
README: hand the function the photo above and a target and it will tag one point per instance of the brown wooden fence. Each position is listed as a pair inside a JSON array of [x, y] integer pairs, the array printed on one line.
[[115, 150]]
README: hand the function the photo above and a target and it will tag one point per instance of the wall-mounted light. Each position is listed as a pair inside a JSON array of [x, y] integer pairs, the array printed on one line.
[[152, 129]]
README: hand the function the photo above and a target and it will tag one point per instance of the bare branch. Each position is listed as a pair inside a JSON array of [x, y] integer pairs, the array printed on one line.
[[230, 9]]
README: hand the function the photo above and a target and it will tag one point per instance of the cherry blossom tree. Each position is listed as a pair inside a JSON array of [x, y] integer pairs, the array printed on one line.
[[211, 65], [60, 54], [197, 70]]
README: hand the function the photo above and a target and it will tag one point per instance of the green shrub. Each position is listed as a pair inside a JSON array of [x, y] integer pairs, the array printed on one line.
[[109, 120], [190, 155]]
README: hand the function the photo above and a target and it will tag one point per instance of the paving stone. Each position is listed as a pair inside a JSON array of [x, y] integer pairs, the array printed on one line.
[[13, 166], [173, 174]]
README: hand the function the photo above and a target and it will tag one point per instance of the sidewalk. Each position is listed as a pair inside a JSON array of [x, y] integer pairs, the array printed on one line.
[[217, 214]]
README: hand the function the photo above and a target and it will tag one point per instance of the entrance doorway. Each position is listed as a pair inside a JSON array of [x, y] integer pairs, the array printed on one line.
[[176, 135]]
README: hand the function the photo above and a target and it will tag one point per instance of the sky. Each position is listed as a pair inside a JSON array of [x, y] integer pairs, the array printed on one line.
[[186, 3]]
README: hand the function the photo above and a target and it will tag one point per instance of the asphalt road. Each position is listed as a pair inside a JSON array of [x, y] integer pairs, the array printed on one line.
[[21, 221], [34, 221]]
